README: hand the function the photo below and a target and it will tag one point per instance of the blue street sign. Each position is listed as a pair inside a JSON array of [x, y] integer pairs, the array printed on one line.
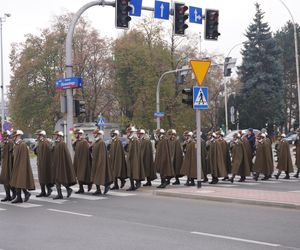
[[200, 97], [7, 126], [136, 6], [100, 120], [68, 83], [159, 114], [195, 14], [161, 10]]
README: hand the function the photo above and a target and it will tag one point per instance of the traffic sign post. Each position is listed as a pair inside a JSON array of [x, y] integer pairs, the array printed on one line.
[[200, 99]]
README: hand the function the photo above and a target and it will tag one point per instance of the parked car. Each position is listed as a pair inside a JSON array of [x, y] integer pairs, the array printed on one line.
[[228, 138], [291, 137]]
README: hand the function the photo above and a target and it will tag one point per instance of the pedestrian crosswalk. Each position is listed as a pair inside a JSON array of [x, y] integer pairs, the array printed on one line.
[[42, 201]]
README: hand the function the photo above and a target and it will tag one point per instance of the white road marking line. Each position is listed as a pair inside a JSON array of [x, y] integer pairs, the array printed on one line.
[[86, 197], [23, 205], [47, 199], [2, 209], [114, 193], [295, 191], [69, 212], [237, 239]]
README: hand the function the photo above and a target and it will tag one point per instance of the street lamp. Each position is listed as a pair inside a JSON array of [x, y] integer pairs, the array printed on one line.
[[2, 19], [296, 57]]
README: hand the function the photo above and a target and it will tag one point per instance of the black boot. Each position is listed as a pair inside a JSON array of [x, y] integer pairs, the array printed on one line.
[[43, 191], [69, 191], [98, 190], [192, 182], [242, 179], [205, 179], [90, 185], [266, 177], [132, 186], [225, 178], [176, 182], [7, 191], [138, 184], [231, 179], [27, 195], [148, 183], [80, 190], [49, 190], [59, 194], [163, 183], [215, 180], [122, 183], [277, 175], [14, 193], [287, 176], [297, 174], [187, 182], [18, 196], [115, 186], [106, 189]]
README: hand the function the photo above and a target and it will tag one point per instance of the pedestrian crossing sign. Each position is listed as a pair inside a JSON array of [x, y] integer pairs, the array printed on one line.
[[200, 97]]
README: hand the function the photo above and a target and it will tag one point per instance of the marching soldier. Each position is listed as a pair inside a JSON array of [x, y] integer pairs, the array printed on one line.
[[22, 178], [297, 149], [147, 157], [101, 171], [82, 161], [263, 158], [63, 167], [135, 168], [163, 162], [225, 153], [7, 166], [240, 163], [43, 150], [189, 164], [117, 160], [176, 154], [284, 158]]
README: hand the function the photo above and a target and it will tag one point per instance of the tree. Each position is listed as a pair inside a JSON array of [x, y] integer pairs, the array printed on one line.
[[260, 101], [285, 40]]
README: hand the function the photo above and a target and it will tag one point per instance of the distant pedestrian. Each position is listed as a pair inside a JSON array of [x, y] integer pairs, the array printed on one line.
[[22, 177], [251, 140], [43, 150], [7, 166], [101, 174], [64, 173]]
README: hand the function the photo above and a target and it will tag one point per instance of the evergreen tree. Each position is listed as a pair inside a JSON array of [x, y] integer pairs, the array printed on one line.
[[260, 101]]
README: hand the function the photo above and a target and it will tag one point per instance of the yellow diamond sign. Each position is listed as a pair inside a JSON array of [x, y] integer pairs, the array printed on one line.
[[200, 68]]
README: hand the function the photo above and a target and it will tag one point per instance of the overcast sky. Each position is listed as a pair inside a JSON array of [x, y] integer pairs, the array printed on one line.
[[30, 16]]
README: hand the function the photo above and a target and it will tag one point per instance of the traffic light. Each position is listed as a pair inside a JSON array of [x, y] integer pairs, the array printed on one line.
[[211, 24], [179, 18], [79, 107], [180, 78], [227, 70], [122, 14], [188, 92]]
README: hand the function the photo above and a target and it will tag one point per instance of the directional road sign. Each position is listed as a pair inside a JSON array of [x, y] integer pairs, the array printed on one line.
[[200, 98], [159, 114], [161, 10], [200, 68], [136, 6], [68, 83], [195, 14]]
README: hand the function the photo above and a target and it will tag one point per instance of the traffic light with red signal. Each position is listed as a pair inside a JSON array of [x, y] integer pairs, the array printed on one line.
[[179, 18]]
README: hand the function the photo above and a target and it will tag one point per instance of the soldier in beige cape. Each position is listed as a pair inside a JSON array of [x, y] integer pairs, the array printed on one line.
[[297, 149], [22, 178]]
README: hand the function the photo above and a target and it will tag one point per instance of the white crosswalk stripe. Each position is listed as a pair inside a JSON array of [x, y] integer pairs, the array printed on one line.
[[2, 209]]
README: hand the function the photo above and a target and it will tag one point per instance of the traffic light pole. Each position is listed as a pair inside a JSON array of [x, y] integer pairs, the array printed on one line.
[[158, 90]]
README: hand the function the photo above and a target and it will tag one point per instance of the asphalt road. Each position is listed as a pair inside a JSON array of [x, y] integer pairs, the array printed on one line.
[[140, 220]]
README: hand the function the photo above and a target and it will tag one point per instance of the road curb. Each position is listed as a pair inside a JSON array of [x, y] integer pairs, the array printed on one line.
[[227, 199]]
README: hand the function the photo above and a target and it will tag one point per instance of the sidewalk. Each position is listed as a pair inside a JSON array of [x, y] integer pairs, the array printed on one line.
[[235, 195]]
